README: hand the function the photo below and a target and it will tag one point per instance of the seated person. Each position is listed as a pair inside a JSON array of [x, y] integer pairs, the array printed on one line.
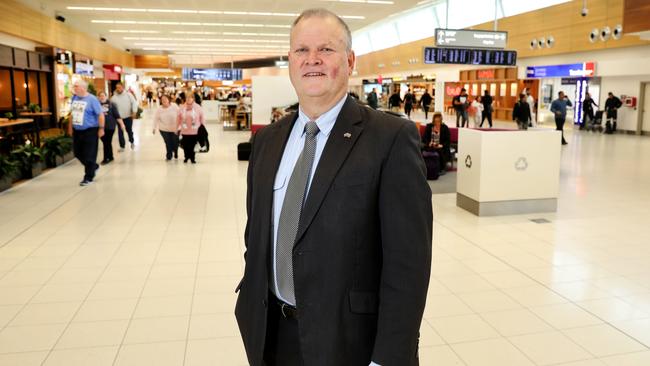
[[437, 138]]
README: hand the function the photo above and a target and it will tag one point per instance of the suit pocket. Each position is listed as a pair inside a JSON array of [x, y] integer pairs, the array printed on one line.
[[364, 302]]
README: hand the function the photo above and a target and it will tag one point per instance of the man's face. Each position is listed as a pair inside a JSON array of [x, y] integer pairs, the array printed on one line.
[[102, 97], [319, 64], [77, 89], [119, 88], [561, 95]]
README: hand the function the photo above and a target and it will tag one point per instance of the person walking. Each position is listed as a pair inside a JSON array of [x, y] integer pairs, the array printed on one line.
[[165, 120], [86, 127], [486, 100], [190, 118], [395, 101], [425, 102], [558, 108], [531, 105], [112, 121], [409, 100], [588, 105], [127, 106], [461, 104], [338, 246], [477, 108], [521, 113], [373, 102], [612, 104]]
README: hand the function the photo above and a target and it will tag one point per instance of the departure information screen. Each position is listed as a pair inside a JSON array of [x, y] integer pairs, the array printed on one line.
[[466, 56]]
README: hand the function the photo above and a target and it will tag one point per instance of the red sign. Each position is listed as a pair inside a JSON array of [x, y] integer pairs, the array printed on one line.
[[452, 90], [485, 74]]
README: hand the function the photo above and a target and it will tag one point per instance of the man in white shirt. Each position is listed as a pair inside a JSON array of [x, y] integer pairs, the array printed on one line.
[[127, 106]]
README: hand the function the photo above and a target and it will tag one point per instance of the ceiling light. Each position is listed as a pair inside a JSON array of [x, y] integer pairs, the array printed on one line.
[[185, 11]]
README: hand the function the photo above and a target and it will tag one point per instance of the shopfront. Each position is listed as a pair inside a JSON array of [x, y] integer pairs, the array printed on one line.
[[502, 83], [575, 80]]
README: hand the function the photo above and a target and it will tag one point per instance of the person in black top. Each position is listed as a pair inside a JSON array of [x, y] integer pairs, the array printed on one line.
[[395, 101], [409, 100], [111, 120], [486, 99], [425, 101], [611, 108], [588, 110], [461, 104], [372, 99], [438, 138], [521, 112]]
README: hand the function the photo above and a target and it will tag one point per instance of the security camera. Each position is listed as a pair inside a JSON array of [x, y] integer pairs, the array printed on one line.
[[617, 32], [550, 41], [541, 42], [605, 33], [584, 12], [533, 44], [128, 50], [60, 18], [593, 36], [102, 39]]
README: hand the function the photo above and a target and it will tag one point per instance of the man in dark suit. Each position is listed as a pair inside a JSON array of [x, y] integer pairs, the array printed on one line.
[[339, 224]]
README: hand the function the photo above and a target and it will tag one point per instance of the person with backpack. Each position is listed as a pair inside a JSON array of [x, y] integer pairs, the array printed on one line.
[[612, 105]]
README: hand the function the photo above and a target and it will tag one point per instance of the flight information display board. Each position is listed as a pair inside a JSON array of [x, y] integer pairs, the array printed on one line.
[[211, 74], [463, 56]]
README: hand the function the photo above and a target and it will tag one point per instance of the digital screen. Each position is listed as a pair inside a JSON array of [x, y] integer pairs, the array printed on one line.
[[82, 68], [211, 74], [461, 56], [585, 69]]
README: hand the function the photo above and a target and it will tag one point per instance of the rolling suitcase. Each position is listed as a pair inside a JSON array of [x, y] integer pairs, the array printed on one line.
[[243, 151], [432, 161]]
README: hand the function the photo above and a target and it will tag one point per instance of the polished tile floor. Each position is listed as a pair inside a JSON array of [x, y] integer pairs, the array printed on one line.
[[140, 267]]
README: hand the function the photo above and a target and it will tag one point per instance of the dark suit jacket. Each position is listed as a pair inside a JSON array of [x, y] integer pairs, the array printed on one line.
[[362, 256], [521, 112]]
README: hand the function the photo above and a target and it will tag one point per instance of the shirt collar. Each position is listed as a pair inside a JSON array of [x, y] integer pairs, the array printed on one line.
[[326, 121]]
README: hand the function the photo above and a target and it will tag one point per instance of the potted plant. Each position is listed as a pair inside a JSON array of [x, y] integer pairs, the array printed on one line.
[[7, 169], [57, 150], [34, 108], [29, 159], [9, 115], [66, 147]]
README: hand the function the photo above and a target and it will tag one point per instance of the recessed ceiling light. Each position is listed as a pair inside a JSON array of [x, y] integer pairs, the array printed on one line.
[[186, 11]]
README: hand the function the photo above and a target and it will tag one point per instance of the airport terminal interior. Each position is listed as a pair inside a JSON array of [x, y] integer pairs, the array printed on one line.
[[540, 250]]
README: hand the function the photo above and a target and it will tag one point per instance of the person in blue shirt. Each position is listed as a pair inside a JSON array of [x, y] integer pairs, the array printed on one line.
[[86, 127], [559, 107]]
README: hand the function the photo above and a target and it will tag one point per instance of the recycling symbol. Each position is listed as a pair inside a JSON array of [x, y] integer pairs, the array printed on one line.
[[521, 164], [468, 161]]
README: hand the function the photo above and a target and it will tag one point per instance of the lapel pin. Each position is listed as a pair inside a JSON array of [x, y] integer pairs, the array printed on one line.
[[347, 135]]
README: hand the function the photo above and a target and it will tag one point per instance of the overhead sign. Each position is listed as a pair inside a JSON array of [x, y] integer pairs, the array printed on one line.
[[83, 68], [585, 69], [461, 56], [211, 74], [471, 38], [485, 74]]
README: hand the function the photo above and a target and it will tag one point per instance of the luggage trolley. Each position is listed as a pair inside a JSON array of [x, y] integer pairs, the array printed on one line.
[[597, 122]]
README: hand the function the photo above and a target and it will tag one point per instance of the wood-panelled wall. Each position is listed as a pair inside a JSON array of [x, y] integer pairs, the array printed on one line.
[[151, 62], [22, 21], [563, 22], [636, 15]]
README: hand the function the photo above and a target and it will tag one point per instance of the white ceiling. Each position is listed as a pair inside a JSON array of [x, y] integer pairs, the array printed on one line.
[[203, 32]]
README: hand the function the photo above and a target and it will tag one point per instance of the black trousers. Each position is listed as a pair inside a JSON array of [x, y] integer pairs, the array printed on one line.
[[128, 123], [85, 143], [487, 115], [559, 125], [171, 143], [107, 142], [426, 111], [282, 346], [189, 141], [407, 109]]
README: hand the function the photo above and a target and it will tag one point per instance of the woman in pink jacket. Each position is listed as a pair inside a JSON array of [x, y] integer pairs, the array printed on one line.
[[190, 118]]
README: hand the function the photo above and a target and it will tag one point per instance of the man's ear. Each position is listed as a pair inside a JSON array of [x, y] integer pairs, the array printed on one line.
[[352, 59]]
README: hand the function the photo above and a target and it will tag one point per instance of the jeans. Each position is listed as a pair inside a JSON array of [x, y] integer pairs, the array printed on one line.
[[107, 141], [461, 114], [171, 143], [128, 123], [189, 141], [559, 126], [85, 144]]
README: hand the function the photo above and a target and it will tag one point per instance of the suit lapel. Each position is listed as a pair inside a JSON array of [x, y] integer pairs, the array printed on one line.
[[343, 136]]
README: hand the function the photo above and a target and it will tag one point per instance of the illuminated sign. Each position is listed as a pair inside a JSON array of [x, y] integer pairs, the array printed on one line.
[[212, 74], [461, 56], [585, 69], [485, 74], [471, 38]]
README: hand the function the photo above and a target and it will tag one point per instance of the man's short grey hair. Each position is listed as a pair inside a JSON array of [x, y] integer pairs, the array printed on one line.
[[82, 83], [324, 13]]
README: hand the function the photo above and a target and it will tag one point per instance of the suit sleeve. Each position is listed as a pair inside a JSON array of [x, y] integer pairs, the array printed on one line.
[[406, 218], [249, 192]]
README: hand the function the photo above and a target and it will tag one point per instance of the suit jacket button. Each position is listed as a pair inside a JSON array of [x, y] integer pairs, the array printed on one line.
[[264, 302]]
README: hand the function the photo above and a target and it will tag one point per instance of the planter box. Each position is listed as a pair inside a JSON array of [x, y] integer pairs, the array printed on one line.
[[67, 157], [37, 169], [5, 183]]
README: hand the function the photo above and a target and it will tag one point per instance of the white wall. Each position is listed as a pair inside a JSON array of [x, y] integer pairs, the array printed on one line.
[[11, 41], [623, 85], [269, 92]]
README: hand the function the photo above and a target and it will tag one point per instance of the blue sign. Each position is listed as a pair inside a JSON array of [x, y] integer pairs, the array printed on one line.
[[211, 74], [585, 69]]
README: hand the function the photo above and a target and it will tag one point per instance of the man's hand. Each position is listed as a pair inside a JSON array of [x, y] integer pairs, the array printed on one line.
[[100, 132]]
